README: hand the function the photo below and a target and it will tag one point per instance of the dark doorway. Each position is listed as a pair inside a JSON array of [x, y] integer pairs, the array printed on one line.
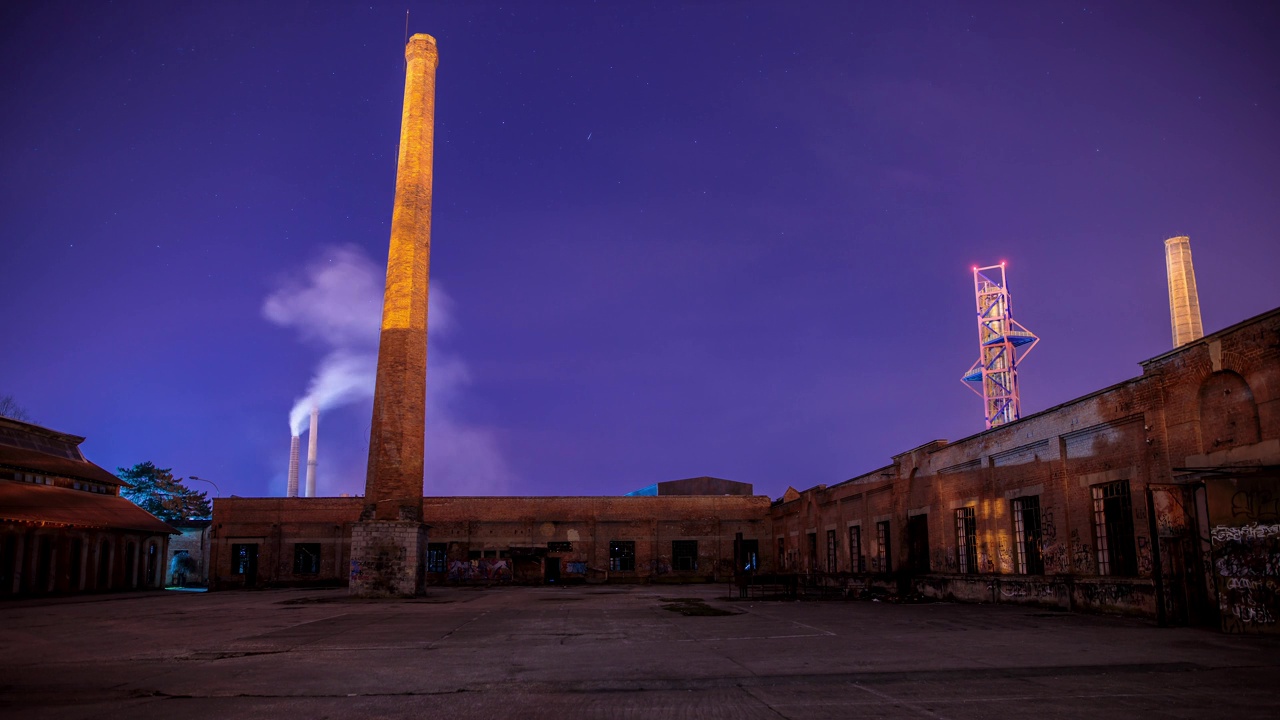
[[244, 561], [152, 564], [130, 565], [551, 570], [75, 564], [918, 544], [44, 564], [8, 562], [749, 555], [104, 566]]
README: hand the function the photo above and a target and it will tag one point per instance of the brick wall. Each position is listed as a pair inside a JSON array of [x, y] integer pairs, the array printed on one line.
[[502, 526]]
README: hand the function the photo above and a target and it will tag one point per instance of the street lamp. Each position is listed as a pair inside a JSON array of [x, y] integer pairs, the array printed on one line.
[[215, 485]]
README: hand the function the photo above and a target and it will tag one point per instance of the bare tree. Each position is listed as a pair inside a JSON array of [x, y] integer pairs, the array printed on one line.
[[11, 409]]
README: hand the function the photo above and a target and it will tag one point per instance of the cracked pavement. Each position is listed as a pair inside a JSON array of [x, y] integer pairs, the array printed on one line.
[[607, 651]]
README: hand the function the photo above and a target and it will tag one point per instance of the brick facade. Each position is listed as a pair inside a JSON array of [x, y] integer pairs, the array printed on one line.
[[573, 534], [1104, 503]]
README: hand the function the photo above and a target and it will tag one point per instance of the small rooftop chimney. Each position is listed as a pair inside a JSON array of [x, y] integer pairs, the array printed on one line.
[[1184, 302], [294, 442]]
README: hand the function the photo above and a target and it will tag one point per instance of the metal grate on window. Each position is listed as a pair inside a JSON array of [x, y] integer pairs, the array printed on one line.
[[1113, 529], [966, 540], [855, 549], [831, 551], [1026, 531], [883, 559]]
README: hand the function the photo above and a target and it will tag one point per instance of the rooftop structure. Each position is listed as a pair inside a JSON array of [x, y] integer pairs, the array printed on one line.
[[1002, 344]]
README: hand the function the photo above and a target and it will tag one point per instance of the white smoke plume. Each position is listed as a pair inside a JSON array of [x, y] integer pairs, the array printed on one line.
[[337, 303]]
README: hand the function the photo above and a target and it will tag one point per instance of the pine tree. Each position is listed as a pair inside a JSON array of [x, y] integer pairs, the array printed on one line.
[[159, 493]]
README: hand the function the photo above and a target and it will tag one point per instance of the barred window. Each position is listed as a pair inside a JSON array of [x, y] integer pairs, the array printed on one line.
[[884, 561], [831, 551], [1113, 529], [855, 549], [1026, 535], [966, 541]]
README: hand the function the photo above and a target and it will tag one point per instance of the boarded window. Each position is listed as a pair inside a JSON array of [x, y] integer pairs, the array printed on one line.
[[306, 558], [684, 555], [622, 555]]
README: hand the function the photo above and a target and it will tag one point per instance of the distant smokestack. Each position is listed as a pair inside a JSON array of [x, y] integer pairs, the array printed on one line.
[[294, 442], [311, 452], [1184, 302]]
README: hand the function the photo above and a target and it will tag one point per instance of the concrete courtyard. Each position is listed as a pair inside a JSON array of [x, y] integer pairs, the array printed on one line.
[[608, 651]]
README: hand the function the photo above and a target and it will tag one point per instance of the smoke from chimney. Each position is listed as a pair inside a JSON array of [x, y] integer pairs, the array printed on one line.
[[336, 303], [311, 452], [1184, 301], [294, 442]]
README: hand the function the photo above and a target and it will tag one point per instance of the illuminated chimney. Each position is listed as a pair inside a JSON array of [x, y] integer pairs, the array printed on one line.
[[311, 452], [1184, 302], [293, 466]]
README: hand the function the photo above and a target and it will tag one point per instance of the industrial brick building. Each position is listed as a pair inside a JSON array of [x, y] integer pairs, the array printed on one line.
[[677, 538], [1158, 496], [63, 526]]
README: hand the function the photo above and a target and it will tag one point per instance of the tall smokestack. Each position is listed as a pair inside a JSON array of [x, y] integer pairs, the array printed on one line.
[[311, 452], [393, 485], [294, 442], [1184, 302]]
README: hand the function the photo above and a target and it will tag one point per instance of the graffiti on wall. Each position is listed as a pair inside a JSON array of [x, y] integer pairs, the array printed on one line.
[[1246, 561], [1144, 555], [483, 570], [1171, 516], [1256, 505]]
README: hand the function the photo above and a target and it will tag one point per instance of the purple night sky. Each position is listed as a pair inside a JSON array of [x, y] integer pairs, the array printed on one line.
[[723, 238]]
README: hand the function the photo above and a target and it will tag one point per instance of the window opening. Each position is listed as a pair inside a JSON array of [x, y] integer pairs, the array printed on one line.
[[1026, 531], [1113, 529], [306, 558], [684, 555], [882, 546], [437, 557], [966, 541], [855, 549], [622, 555]]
